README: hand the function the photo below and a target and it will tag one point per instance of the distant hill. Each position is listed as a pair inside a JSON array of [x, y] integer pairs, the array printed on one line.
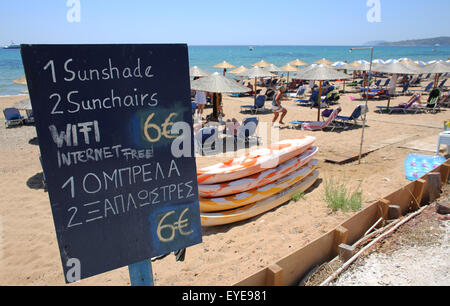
[[442, 41], [375, 43]]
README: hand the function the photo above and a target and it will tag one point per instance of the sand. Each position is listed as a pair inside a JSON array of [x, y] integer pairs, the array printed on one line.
[[28, 247]]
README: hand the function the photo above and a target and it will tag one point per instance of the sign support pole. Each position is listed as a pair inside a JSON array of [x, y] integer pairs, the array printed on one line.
[[141, 273]]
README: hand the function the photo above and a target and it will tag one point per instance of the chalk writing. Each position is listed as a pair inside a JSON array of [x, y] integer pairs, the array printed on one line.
[[180, 225], [160, 131]]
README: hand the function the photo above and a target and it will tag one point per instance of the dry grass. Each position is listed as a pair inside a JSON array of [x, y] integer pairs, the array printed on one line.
[[324, 271]]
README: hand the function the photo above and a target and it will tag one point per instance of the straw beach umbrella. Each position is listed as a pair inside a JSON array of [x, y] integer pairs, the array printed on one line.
[[197, 72], [219, 84], [257, 72], [297, 63], [378, 61], [21, 81], [437, 68], [397, 67], [288, 68], [339, 65], [320, 73], [24, 105], [420, 63], [273, 68], [323, 61], [238, 70], [261, 64], [224, 65]]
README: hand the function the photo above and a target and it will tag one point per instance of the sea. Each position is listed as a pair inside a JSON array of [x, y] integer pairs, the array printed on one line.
[[206, 57]]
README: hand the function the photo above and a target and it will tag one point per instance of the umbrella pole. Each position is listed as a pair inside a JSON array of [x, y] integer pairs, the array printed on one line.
[[255, 90], [320, 100], [436, 79], [345, 71], [365, 111]]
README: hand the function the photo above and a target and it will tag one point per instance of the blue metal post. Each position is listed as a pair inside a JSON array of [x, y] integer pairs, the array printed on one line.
[[141, 273]]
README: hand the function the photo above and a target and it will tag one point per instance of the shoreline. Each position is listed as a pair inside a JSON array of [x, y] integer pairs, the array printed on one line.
[[12, 96]]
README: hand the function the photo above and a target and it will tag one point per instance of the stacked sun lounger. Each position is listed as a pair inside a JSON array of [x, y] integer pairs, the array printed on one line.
[[257, 182]]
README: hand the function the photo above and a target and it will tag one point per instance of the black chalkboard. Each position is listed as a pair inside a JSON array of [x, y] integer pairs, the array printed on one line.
[[104, 115]]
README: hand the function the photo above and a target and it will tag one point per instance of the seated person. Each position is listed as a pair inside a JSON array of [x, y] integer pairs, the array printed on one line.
[[233, 126]]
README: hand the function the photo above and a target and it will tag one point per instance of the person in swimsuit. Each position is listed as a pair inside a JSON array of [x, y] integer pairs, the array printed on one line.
[[276, 105]]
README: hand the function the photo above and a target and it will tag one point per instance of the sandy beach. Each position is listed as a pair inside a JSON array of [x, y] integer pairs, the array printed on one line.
[[29, 252]]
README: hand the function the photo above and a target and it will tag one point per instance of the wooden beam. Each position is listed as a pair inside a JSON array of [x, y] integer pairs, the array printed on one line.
[[419, 188], [434, 185], [274, 276], [445, 172], [345, 252], [384, 208], [395, 212], [340, 236]]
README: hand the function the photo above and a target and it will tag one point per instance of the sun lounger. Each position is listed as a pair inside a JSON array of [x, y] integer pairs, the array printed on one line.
[[30, 117], [260, 101], [415, 81], [312, 100], [318, 125], [374, 93], [433, 105], [206, 140], [441, 85], [404, 107], [13, 117], [300, 92], [356, 115], [426, 89], [386, 83], [245, 132]]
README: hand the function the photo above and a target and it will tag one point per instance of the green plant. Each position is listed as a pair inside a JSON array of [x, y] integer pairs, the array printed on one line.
[[339, 196], [298, 196]]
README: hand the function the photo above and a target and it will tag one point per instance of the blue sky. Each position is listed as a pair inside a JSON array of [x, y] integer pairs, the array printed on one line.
[[229, 22]]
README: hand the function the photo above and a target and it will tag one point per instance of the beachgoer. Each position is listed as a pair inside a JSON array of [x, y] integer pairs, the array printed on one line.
[[393, 85], [276, 105], [200, 99], [233, 126], [311, 85]]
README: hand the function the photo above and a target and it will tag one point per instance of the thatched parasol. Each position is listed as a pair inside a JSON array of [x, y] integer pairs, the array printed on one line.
[[21, 81], [257, 72], [261, 64], [224, 65], [320, 73], [297, 63], [198, 72]]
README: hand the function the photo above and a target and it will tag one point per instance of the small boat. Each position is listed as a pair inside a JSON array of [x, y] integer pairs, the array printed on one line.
[[250, 48], [12, 46]]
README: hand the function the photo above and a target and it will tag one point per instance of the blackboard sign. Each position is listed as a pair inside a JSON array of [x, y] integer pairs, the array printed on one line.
[[120, 190]]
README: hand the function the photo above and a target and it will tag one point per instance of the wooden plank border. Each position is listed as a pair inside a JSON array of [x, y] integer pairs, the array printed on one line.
[[290, 269]]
